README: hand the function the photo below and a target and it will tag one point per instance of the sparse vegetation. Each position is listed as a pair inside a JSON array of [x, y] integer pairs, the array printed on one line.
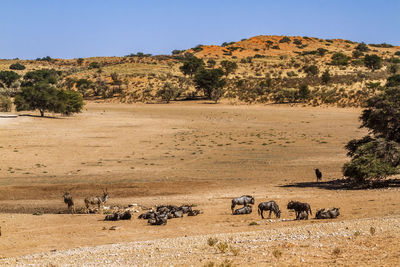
[[17, 66]]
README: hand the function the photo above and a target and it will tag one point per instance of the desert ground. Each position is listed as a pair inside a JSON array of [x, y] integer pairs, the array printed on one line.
[[196, 153]]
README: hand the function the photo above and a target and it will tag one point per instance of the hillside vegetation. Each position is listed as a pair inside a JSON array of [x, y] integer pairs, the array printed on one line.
[[266, 69]]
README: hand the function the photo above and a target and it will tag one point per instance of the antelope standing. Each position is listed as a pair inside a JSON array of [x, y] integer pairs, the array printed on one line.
[[69, 201], [99, 201]]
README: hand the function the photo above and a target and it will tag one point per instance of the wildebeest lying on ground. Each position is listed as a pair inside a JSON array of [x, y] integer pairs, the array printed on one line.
[[327, 214], [302, 216], [299, 207], [193, 212], [244, 210], [159, 219], [271, 206], [243, 200], [119, 216]]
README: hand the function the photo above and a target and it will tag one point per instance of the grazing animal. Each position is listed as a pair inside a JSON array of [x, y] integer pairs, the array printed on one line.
[[99, 201], [243, 200], [126, 215], [69, 201], [119, 216], [193, 212], [160, 219], [299, 207], [112, 217], [244, 210], [302, 216], [271, 206], [185, 208], [318, 173], [327, 214]]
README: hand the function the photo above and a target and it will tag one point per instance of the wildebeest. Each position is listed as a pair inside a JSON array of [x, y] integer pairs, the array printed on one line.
[[97, 200], [243, 200], [327, 214], [318, 173], [244, 210], [148, 215], [193, 212], [299, 207], [303, 215], [159, 219], [271, 206], [69, 201], [116, 216]]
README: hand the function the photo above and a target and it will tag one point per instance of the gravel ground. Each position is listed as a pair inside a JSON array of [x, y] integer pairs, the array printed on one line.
[[352, 242]]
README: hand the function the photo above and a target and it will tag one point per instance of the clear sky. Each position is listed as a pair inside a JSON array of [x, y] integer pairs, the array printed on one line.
[[84, 28]]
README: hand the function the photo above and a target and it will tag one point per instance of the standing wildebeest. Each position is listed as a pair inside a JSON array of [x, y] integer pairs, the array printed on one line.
[[99, 201], [327, 214], [69, 201], [244, 210], [271, 206], [243, 200], [318, 173], [298, 207]]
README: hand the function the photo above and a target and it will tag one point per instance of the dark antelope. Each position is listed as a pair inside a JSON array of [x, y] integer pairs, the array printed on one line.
[[243, 200], [271, 206], [69, 201], [299, 207]]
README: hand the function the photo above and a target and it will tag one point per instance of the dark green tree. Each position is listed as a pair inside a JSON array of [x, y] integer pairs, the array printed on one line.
[[17, 66], [326, 77], [229, 66], [80, 61], [377, 155], [393, 81], [43, 75], [304, 92], [7, 78], [210, 82], [311, 70], [191, 65], [362, 47], [394, 68], [340, 59], [211, 63], [373, 62]]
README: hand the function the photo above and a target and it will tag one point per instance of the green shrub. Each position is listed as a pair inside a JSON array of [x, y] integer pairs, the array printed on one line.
[[5, 104], [94, 65], [285, 39], [340, 59], [17, 66]]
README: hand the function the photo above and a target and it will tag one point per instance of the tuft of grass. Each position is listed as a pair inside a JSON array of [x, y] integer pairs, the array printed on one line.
[[222, 247], [235, 251], [253, 223], [357, 233], [336, 252], [209, 264], [212, 241], [277, 253], [372, 230]]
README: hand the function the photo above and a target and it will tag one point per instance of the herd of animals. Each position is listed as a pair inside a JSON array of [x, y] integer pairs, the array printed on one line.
[[162, 213], [301, 209]]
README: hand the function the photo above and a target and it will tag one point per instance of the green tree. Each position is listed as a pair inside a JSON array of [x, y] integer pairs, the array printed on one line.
[[168, 92], [393, 81], [394, 68], [191, 65], [229, 66], [83, 85], [311, 70], [43, 75], [80, 61], [7, 77], [94, 65], [210, 82], [362, 47], [340, 59], [357, 54], [17, 66], [377, 155], [211, 63], [5, 104], [304, 92], [373, 62], [44, 97], [326, 77]]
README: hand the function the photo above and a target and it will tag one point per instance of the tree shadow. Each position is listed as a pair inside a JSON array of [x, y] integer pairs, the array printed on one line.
[[345, 184], [38, 116]]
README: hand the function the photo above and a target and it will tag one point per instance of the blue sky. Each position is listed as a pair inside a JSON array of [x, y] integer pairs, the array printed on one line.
[[84, 28]]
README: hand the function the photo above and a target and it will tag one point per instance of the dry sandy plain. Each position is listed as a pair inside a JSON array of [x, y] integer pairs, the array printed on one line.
[[189, 152]]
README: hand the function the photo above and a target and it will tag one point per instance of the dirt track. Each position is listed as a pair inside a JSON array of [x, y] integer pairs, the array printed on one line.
[[181, 153]]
